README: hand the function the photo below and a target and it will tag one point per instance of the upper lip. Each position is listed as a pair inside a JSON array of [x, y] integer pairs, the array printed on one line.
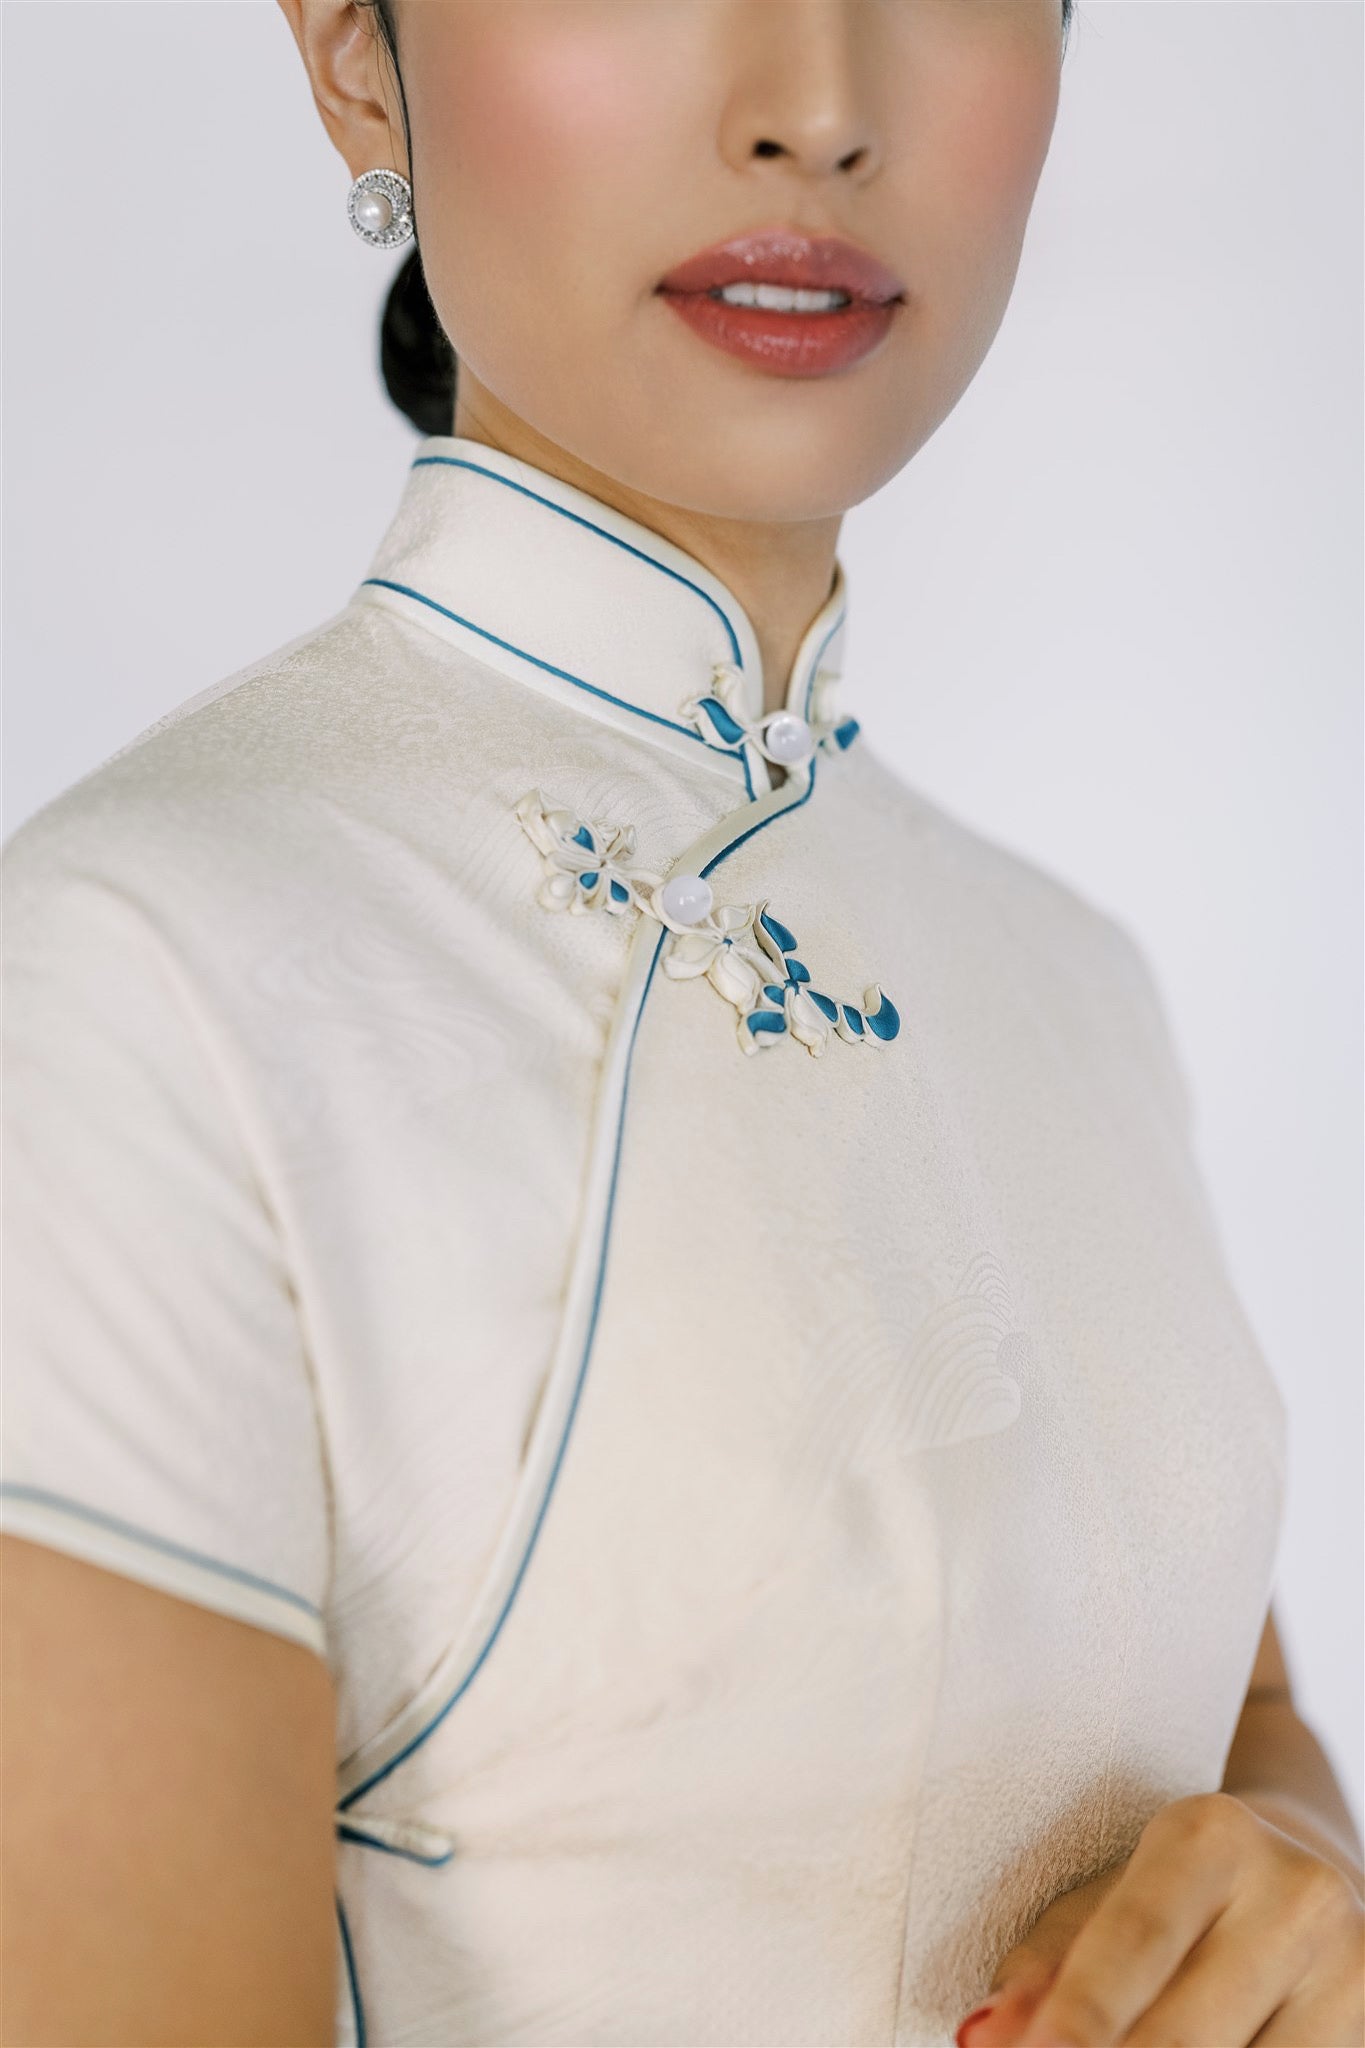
[[786, 256]]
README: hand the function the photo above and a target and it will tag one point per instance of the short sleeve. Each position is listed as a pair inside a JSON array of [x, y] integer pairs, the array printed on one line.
[[157, 1412]]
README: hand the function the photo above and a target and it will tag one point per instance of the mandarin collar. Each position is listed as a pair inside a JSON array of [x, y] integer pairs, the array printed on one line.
[[542, 580]]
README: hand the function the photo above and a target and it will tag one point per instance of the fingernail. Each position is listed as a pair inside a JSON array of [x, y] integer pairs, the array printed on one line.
[[982, 2012]]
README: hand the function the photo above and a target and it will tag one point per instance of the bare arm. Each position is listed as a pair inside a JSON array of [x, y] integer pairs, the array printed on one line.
[[167, 1857], [1278, 1767]]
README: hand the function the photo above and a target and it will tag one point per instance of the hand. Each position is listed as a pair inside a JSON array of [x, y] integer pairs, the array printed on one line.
[[1219, 1931]]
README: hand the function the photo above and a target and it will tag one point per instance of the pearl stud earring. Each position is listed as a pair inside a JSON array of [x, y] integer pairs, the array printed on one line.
[[380, 207]]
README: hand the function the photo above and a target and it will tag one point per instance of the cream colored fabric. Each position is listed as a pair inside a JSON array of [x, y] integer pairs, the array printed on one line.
[[776, 1516]]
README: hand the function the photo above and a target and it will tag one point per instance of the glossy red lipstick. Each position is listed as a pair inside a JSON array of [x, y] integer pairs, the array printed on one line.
[[789, 339]]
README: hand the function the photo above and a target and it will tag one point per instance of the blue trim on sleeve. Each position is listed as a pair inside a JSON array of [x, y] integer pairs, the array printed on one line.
[[407, 1750], [357, 2008], [11, 1489]]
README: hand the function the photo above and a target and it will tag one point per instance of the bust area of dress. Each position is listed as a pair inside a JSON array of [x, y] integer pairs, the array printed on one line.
[[801, 1489]]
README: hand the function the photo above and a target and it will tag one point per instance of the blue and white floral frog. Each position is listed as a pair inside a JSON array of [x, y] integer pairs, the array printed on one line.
[[747, 955], [719, 715]]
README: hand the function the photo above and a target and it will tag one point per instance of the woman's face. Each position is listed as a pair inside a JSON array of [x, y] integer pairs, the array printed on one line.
[[567, 154]]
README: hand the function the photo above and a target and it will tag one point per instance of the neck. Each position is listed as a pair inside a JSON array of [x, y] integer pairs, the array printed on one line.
[[780, 571]]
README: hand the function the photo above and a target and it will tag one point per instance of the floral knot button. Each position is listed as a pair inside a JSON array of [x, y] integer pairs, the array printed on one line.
[[748, 955]]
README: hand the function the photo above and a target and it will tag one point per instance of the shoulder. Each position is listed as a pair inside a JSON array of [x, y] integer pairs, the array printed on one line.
[[255, 791], [1018, 895], [201, 765], [1026, 931]]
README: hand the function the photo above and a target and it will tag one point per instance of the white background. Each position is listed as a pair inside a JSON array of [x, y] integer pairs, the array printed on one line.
[[1111, 615]]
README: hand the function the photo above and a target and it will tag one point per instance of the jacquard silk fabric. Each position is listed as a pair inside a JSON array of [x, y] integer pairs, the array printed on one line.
[[752, 1410]]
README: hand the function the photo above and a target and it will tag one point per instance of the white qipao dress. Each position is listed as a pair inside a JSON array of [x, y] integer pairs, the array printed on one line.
[[688, 1285]]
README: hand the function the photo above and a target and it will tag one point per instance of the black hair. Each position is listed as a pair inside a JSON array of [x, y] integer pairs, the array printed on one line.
[[416, 359]]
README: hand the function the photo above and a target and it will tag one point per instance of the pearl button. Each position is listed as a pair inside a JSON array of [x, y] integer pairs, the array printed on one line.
[[373, 210], [687, 898], [787, 737]]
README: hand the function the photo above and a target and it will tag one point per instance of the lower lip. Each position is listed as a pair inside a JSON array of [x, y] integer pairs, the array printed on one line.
[[787, 344]]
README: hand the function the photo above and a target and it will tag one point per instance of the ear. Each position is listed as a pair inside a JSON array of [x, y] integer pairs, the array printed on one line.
[[354, 87]]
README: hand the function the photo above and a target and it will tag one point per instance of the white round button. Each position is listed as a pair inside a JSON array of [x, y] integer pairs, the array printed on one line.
[[787, 737], [686, 898]]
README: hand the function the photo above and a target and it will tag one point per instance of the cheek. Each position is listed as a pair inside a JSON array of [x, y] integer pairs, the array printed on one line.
[[1001, 151], [973, 142], [989, 134], [532, 133]]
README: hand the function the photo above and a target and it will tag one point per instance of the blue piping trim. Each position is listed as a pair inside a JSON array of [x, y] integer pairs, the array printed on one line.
[[13, 1490], [352, 1979], [469, 1677], [479, 469], [657, 717], [372, 1842], [726, 851], [460, 462], [810, 679]]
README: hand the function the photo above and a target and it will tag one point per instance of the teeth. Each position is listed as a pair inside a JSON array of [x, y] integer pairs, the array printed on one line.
[[781, 298]]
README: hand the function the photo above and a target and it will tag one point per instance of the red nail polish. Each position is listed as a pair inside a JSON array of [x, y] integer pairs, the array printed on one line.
[[981, 2012]]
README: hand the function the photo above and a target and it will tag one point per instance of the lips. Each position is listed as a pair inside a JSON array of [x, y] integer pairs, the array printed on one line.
[[783, 256], [780, 340]]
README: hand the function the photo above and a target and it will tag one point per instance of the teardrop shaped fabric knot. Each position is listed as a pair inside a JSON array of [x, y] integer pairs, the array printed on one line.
[[789, 1003], [587, 865], [719, 715], [749, 956], [746, 952], [833, 732]]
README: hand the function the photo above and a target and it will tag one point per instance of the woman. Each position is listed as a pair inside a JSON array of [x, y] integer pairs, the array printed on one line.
[[626, 1424]]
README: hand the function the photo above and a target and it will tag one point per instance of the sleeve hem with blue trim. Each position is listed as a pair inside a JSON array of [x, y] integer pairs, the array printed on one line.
[[40, 1516]]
